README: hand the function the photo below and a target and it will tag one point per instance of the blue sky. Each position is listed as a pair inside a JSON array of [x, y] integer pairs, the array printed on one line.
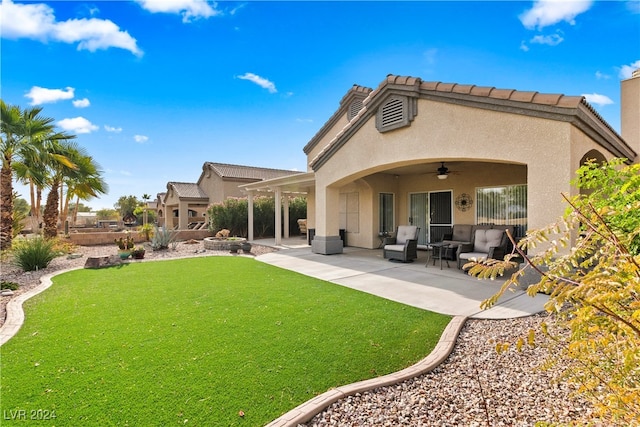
[[153, 89]]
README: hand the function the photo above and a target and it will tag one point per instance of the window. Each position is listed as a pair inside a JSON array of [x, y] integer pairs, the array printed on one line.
[[386, 213], [504, 206]]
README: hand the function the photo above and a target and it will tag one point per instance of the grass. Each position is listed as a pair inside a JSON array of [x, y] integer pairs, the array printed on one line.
[[196, 341]]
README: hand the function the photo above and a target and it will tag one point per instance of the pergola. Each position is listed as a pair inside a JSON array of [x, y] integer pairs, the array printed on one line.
[[281, 189]]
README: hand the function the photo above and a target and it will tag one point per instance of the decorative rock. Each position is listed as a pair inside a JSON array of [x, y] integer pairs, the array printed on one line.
[[74, 256], [102, 261], [6, 293]]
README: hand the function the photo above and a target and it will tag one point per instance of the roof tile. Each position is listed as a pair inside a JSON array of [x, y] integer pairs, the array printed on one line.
[[462, 88], [481, 90], [522, 96], [547, 98], [501, 93]]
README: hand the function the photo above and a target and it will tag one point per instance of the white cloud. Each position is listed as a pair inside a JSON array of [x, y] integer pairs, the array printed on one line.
[[141, 139], [602, 76], [550, 12], [38, 22], [523, 46], [189, 9], [597, 99], [260, 81], [626, 70], [633, 6], [40, 95], [112, 129], [77, 125], [81, 103], [551, 40]]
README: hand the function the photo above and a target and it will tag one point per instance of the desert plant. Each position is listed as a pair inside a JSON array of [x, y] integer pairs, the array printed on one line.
[[146, 230], [163, 238], [9, 285], [594, 287], [33, 254]]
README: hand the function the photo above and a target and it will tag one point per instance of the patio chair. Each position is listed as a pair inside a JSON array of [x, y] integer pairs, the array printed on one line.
[[404, 246], [487, 244]]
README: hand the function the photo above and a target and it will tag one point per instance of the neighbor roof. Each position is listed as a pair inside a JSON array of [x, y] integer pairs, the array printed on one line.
[[187, 190], [228, 171]]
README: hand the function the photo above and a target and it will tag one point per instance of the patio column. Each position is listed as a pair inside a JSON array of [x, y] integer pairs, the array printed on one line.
[[183, 215], [327, 240], [285, 202], [278, 206], [250, 212]]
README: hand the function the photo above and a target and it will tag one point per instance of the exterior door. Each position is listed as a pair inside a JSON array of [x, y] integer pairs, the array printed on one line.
[[440, 214], [418, 208]]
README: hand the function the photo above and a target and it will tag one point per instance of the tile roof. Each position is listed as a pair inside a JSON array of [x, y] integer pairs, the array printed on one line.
[[188, 190], [522, 102], [246, 172]]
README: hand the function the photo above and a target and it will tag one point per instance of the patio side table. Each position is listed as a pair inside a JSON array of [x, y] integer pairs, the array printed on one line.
[[437, 251]]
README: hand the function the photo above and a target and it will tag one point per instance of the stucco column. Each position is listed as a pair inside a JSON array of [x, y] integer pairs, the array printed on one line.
[[545, 204], [250, 216], [183, 215], [285, 209], [327, 221], [278, 209]]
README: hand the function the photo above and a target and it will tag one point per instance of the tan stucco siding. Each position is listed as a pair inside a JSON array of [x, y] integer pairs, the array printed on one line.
[[328, 136], [497, 148]]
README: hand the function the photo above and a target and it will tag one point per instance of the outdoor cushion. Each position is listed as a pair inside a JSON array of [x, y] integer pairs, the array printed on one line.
[[486, 239], [405, 232]]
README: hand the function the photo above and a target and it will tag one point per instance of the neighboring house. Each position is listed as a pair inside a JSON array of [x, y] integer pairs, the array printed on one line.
[[436, 154], [184, 205]]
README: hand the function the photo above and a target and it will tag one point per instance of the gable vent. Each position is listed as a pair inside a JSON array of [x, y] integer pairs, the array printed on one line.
[[396, 112], [392, 112], [354, 108]]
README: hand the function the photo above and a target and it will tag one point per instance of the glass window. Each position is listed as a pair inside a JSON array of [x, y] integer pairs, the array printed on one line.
[[505, 205], [386, 213]]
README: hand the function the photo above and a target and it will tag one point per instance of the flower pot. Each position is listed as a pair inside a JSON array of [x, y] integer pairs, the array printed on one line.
[[246, 247], [139, 254], [124, 254], [234, 247]]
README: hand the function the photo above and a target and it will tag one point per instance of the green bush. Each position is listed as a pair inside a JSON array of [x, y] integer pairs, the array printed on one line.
[[9, 285], [232, 214], [34, 254]]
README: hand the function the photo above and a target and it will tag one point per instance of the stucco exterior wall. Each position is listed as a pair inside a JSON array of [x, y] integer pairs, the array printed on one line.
[[446, 132], [326, 138]]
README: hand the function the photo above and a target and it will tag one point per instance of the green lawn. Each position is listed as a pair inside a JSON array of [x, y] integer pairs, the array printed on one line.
[[195, 341]]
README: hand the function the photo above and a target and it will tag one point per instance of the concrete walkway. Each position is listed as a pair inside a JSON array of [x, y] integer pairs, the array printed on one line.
[[447, 291]]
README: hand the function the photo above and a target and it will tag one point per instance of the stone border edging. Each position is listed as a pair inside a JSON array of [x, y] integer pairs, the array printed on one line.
[[306, 411], [15, 314]]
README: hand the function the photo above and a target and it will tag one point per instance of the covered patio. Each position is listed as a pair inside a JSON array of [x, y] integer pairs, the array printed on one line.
[[447, 291]]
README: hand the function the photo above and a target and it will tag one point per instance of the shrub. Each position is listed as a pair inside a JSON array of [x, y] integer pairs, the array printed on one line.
[[34, 254], [163, 238], [594, 287], [232, 214], [9, 285], [146, 230]]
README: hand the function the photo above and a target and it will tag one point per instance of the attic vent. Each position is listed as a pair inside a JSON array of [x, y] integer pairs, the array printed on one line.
[[395, 113], [392, 112], [354, 108]]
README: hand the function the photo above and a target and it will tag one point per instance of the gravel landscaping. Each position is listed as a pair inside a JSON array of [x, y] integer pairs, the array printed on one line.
[[475, 386]]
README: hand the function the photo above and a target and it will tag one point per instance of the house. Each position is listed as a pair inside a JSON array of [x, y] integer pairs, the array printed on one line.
[[435, 154], [184, 204]]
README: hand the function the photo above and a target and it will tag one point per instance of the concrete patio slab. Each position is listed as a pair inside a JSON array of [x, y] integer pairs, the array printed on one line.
[[447, 291]]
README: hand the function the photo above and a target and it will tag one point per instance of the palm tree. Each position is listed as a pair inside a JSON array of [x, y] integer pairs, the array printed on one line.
[[85, 183], [21, 133], [62, 160]]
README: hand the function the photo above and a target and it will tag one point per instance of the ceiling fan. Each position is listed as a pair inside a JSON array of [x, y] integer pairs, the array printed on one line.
[[443, 171]]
